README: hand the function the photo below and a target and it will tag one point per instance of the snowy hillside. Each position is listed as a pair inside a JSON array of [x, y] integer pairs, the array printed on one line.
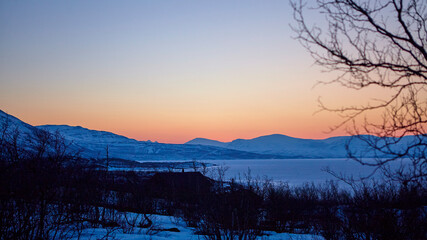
[[11, 123], [12, 128], [83, 134]]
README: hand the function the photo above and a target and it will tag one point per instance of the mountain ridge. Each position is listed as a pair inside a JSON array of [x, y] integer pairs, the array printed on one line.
[[291, 147], [93, 144], [265, 136]]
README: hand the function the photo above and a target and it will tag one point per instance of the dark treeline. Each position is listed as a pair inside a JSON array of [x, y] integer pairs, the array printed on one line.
[[368, 211], [48, 193]]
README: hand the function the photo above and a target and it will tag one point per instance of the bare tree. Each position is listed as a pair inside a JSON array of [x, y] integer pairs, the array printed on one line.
[[377, 43]]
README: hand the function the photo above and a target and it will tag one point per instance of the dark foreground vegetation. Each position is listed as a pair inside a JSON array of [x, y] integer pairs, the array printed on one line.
[[46, 193]]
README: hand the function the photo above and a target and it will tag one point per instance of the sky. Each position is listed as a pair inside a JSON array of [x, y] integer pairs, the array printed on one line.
[[166, 71]]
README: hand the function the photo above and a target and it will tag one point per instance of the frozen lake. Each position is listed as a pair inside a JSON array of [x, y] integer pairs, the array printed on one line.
[[293, 171]]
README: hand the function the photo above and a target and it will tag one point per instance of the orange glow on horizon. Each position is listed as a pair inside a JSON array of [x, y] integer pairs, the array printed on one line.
[[131, 69], [177, 130]]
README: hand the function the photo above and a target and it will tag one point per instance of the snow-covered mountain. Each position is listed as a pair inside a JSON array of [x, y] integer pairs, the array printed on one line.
[[12, 129], [290, 147], [93, 144]]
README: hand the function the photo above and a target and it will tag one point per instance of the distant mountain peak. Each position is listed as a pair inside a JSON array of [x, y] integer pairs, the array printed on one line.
[[207, 142]]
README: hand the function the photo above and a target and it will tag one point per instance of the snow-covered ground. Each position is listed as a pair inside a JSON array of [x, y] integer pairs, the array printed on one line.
[[169, 222]]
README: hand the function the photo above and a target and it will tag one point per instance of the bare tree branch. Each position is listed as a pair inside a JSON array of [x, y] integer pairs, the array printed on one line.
[[380, 43]]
